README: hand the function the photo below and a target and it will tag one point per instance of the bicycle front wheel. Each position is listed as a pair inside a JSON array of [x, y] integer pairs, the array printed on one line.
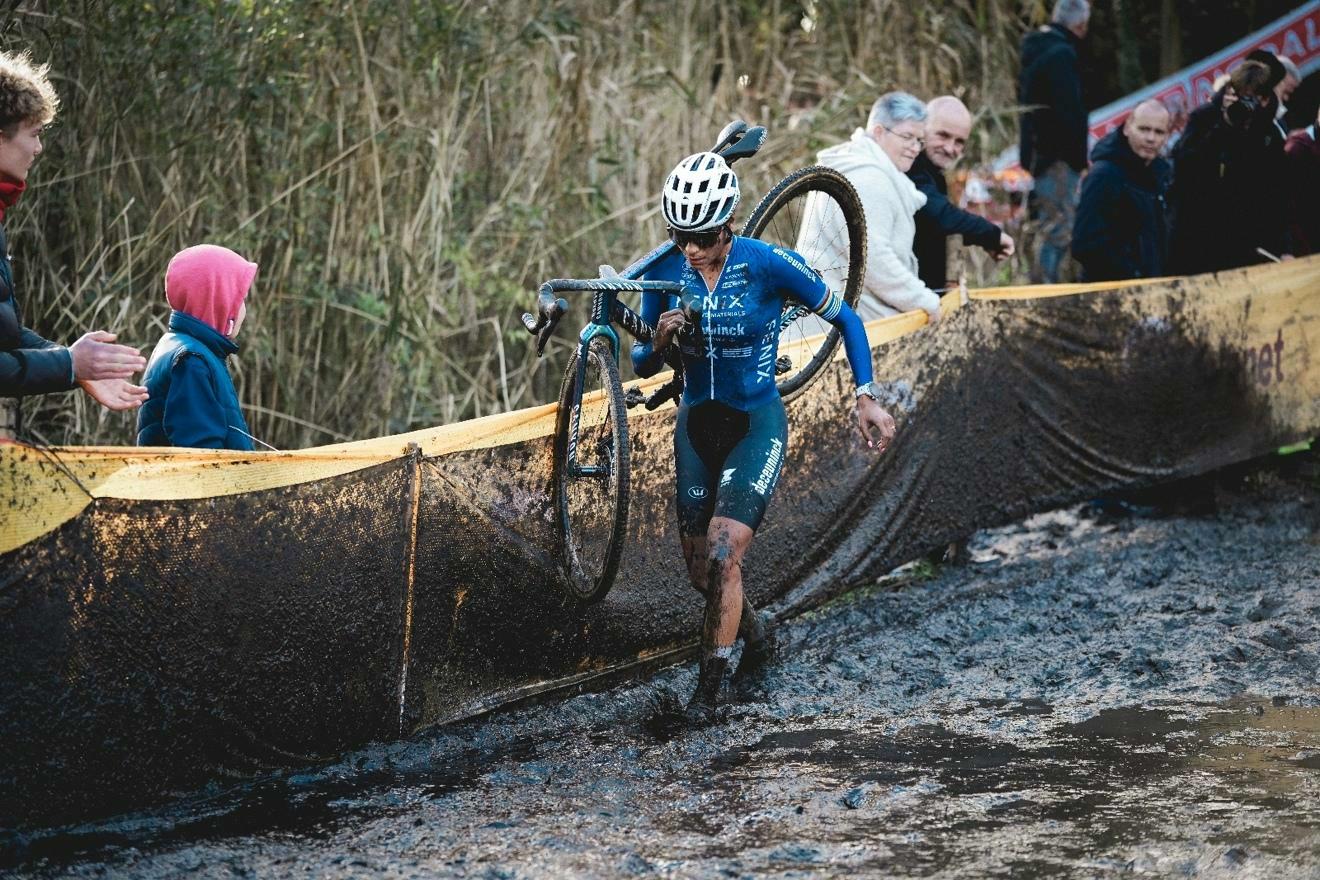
[[816, 212], [591, 474]]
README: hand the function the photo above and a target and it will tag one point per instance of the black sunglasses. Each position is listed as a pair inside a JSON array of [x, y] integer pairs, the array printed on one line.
[[703, 240]]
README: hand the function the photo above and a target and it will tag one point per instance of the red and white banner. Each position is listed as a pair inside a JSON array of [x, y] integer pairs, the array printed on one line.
[[1296, 35]]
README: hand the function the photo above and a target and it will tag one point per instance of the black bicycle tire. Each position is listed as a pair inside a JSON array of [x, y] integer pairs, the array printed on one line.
[[584, 587], [817, 178]]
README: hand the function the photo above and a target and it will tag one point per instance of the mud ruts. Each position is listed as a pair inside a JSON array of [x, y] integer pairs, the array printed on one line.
[[173, 619]]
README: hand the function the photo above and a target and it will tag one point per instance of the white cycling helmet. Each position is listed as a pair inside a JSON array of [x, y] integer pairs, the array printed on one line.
[[700, 194]]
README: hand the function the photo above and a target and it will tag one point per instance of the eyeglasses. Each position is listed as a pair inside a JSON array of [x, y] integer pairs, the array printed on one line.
[[703, 240], [908, 139]]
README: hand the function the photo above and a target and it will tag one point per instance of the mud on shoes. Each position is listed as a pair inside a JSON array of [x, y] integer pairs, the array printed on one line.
[[756, 657], [703, 708]]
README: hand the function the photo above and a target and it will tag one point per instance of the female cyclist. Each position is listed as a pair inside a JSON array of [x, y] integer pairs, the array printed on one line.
[[732, 435]]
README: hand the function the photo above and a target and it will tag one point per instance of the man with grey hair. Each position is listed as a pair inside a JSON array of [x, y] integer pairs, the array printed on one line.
[[1054, 132], [948, 126], [876, 160]]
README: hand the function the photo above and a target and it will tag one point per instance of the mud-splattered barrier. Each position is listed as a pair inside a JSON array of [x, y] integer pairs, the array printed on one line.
[[169, 619]]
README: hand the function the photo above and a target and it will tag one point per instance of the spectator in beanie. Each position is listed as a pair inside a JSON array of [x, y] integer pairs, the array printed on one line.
[[1227, 182], [1122, 227], [30, 364], [193, 401]]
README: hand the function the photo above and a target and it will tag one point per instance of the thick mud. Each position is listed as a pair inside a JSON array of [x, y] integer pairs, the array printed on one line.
[[1089, 696]]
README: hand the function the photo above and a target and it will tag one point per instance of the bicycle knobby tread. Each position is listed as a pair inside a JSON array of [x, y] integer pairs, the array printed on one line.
[[817, 178]]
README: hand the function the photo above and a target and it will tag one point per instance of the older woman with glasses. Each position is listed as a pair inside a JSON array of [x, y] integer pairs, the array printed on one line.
[[876, 161]]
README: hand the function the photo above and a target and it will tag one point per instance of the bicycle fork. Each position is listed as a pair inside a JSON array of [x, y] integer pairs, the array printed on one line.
[[601, 307]]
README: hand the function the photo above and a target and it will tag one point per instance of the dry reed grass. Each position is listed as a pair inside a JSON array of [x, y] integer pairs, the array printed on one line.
[[406, 172]]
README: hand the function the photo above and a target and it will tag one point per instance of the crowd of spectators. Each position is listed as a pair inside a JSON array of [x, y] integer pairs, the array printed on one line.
[[1173, 191]]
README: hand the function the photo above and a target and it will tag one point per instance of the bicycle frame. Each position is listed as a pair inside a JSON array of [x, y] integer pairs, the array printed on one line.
[[606, 310]]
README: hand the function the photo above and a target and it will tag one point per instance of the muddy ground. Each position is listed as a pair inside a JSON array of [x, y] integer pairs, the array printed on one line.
[[1091, 696]]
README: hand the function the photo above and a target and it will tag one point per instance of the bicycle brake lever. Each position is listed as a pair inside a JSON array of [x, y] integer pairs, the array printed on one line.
[[552, 314]]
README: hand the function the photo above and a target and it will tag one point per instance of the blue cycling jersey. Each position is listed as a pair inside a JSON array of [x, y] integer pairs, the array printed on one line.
[[732, 358]]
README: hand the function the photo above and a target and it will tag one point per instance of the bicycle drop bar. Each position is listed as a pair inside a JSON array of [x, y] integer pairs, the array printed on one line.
[[549, 308]]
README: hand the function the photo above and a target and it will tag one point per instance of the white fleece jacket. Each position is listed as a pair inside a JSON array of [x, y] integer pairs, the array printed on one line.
[[890, 200]]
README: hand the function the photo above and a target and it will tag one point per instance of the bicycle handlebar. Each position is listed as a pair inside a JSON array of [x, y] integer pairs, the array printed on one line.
[[549, 308], [618, 285]]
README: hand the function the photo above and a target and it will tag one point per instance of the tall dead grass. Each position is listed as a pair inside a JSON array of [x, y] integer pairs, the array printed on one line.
[[406, 172]]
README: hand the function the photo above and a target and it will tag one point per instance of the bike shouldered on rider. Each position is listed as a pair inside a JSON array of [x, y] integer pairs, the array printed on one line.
[[732, 434]]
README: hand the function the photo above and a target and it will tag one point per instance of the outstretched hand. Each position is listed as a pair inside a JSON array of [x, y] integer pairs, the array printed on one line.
[[95, 356], [876, 425], [115, 394], [1006, 247]]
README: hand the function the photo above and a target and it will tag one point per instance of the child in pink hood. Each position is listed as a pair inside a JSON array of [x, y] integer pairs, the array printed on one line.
[[192, 399]]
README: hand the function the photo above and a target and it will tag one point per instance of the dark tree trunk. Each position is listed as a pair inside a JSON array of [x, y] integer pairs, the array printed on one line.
[[1171, 54]]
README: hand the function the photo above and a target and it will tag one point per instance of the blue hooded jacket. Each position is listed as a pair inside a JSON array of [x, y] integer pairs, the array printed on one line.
[[193, 401]]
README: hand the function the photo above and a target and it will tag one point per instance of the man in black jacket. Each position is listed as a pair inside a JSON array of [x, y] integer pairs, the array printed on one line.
[[30, 364], [1052, 147], [948, 125], [1122, 226], [1229, 179]]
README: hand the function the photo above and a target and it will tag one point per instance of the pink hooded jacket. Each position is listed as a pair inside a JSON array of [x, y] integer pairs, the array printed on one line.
[[209, 282]]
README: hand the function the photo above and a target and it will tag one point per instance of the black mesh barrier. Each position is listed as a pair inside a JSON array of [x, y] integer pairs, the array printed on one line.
[[150, 647]]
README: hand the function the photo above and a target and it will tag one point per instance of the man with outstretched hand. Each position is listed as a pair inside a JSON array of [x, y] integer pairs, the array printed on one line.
[[30, 364], [948, 126]]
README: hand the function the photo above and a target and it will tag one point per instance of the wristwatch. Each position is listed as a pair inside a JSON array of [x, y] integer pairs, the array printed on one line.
[[870, 389]]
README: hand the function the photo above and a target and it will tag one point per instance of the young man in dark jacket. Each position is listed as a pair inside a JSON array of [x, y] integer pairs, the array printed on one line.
[[948, 125], [29, 363], [1122, 225], [1229, 181], [1053, 136]]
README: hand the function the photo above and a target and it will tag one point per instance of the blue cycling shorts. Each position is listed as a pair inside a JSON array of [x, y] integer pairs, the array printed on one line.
[[727, 462]]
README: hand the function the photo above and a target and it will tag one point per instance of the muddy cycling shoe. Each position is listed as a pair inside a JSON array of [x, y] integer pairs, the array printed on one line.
[[704, 707], [756, 657]]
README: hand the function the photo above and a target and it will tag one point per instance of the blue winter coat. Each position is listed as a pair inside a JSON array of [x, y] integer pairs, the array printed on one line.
[[193, 401], [1122, 225]]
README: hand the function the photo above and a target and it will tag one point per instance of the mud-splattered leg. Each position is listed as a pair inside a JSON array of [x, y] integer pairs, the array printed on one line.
[[727, 541], [694, 554], [751, 628]]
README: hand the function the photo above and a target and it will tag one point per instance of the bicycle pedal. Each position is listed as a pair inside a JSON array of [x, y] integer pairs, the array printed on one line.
[[633, 397], [783, 364]]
